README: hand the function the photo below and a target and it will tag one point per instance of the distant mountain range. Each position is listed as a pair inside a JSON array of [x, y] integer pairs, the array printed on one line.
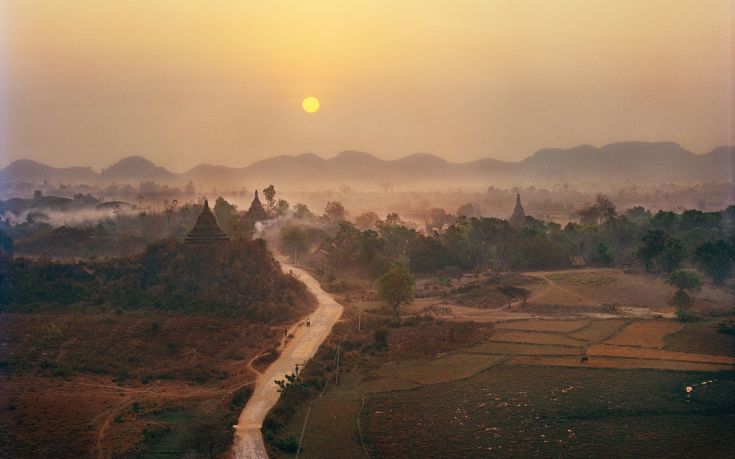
[[633, 162]]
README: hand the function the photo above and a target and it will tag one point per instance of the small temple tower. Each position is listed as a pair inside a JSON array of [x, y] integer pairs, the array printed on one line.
[[519, 215], [206, 230], [256, 213]]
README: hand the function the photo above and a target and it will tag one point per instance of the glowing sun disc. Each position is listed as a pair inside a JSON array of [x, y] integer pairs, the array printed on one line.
[[310, 104]]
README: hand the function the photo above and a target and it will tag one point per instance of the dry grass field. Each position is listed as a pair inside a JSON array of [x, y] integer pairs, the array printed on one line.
[[436, 370], [556, 339], [109, 383], [645, 333], [649, 353], [599, 330], [703, 338], [562, 326]]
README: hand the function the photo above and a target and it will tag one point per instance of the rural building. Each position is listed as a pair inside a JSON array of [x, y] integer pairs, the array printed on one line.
[[206, 230]]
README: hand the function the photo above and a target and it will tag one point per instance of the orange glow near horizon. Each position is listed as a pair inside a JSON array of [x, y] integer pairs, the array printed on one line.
[[88, 82]]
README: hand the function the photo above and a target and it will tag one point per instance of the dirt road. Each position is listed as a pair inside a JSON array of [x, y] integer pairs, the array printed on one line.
[[299, 349]]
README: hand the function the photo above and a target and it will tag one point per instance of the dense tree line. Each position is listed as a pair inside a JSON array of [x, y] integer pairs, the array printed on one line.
[[238, 278], [662, 242]]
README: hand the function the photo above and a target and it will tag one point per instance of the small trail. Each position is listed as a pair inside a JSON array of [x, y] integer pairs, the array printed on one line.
[[297, 347]]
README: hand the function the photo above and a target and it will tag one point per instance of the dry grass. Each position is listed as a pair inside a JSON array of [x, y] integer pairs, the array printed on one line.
[[97, 376], [585, 278], [646, 333], [619, 363], [382, 384], [606, 286], [443, 369], [562, 326], [599, 330], [536, 338], [522, 349], [703, 338], [648, 353]]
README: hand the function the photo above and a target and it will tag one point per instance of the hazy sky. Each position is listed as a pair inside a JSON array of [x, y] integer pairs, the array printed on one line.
[[86, 82]]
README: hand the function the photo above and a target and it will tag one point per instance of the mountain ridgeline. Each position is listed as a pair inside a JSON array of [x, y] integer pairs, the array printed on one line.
[[626, 162]]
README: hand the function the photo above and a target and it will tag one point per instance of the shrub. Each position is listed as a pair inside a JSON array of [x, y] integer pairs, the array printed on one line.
[[287, 445]]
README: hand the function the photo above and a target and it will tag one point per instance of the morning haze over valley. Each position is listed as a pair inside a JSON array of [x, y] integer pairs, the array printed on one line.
[[367, 229]]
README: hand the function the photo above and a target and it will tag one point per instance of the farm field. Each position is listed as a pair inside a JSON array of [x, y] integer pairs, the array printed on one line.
[[514, 410], [649, 333], [498, 397]]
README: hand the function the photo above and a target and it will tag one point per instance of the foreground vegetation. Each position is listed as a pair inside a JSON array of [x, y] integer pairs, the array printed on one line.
[[141, 355], [238, 279]]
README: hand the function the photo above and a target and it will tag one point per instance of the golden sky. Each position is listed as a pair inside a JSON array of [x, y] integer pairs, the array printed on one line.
[[86, 82]]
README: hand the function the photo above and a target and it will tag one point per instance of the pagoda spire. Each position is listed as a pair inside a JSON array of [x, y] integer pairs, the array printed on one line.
[[519, 214], [206, 230]]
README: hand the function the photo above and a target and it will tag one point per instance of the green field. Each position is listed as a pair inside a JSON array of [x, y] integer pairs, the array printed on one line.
[[522, 411], [521, 399]]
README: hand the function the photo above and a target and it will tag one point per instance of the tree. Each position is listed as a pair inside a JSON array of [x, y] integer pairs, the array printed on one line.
[[716, 259], [224, 212], [603, 255], [438, 219], [294, 240], [396, 286], [6, 243], [281, 207], [601, 210], [302, 212], [366, 221], [638, 214], [650, 248], [468, 210], [512, 292], [334, 211], [683, 281], [673, 254], [270, 196]]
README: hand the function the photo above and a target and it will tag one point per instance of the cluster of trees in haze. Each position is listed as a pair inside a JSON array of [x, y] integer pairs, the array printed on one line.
[[240, 278], [662, 242]]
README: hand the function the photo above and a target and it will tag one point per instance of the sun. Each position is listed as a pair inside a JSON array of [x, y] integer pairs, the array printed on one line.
[[310, 104]]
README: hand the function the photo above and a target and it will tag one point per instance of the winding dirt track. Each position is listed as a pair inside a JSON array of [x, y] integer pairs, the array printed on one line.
[[299, 349]]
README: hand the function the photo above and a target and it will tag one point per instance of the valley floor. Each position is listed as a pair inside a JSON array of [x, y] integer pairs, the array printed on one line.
[[460, 381]]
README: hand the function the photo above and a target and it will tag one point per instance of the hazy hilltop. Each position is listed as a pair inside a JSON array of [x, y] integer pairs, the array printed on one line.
[[632, 162], [26, 170], [136, 168]]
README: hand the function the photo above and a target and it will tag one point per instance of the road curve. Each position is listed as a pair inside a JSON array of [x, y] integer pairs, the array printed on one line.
[[248, 438]]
